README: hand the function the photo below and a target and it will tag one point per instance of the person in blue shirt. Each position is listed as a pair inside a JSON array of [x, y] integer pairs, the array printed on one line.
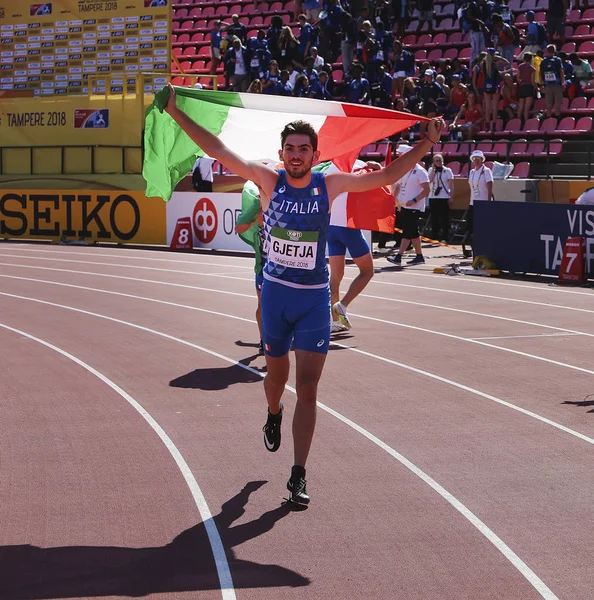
[[359, 91], [283, 87], [319, 89], [309, 70], [404, 65], [381, 89], [551, 70], [271, 77], [301, 87], [306, 37], [216, 37], [333, 27], [295, 300], [257, 42]]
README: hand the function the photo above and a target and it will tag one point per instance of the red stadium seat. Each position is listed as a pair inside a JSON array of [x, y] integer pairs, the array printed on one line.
[[196, 13], [198, 65], [568, 47], [588, 16], [198, 37], [439, 40], [581, 31], [222, 11], [536, 149], [586, 49], [463, 151], [521, 171], [540, 17], [208, 11], [179, 81], [515, 125], [550, 125], [451, 53], [540, 105], [529, 5], [455, 166], [435, 55], [584, 125], [204, 51], [448, 10], [518, 148], [565, 127], [187, 25], [464, 170], [189, 51], [449, 148], [500, 149], [338, 76], [575, 17], [256, 20], [555, 147], [180, 13], [455, 39], [486, 148], [177, 51], [464, 55], [421, 55]]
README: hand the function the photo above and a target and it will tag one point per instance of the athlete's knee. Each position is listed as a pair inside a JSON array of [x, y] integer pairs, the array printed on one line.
[[307, 391]]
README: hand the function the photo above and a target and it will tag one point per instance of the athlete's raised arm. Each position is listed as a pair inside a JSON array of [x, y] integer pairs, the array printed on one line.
[[337, 183], [264, 177]]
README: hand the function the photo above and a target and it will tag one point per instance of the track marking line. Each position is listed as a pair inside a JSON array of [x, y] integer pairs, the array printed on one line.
[[536, 335], [93, 253], [216, 544], [489, 534], [373, 281], [376, 319]]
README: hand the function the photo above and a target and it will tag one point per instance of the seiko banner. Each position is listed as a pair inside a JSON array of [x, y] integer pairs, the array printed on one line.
[[529, 238]]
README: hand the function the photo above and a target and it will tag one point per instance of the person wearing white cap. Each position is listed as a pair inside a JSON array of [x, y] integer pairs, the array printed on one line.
[[480, 179], [587, 197], [410, 192]]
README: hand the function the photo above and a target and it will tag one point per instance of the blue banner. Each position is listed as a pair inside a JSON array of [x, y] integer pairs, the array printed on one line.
[[528, 237]]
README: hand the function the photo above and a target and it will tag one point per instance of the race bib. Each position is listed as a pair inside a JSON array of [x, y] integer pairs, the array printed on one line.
[[550, 77], [283, 52], [254, 63], [295, 249]]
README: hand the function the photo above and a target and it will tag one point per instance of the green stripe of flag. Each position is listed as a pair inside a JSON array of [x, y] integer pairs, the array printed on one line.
[[169, 154]]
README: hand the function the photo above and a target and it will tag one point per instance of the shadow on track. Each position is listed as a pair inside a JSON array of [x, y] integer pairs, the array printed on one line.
[[185, 564], [584, 402], [218, 378]]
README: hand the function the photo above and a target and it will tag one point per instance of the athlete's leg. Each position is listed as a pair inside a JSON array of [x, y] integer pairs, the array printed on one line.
[[309, 370], [336, 275], [277, 375], [365, 265], [259, 313], [416, 242], [404, 244]]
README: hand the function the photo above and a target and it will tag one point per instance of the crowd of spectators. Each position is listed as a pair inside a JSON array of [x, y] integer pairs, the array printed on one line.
[[506, 72]]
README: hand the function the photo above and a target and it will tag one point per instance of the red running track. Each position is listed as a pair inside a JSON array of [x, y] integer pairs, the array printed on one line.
[[452, 458]]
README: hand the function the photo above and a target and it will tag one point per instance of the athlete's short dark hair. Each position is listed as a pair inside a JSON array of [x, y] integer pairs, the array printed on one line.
[[300, 128]]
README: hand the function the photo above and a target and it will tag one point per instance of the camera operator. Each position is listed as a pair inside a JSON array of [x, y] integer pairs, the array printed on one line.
[[440, 200]]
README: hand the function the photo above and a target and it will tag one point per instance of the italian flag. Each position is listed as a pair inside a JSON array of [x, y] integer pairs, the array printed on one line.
[[250, 124]]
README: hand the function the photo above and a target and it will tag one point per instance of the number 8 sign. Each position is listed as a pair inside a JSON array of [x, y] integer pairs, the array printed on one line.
[[182, 237]]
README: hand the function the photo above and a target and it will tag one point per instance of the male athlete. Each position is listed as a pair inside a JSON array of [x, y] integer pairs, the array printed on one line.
[[296, 206]]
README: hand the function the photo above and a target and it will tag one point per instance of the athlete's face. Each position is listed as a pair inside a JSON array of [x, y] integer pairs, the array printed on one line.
[[298, 155]]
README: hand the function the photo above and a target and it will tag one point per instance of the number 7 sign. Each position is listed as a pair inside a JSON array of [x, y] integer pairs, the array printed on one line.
[[182, 237]]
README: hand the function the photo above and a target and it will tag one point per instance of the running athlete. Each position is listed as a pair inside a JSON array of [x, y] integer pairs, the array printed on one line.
[[250, 228], [296, 207]]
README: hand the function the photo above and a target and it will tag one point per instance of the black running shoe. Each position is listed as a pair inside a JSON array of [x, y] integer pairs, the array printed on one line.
[[395, 259], [272, 431], [297, 487], [419, 259]]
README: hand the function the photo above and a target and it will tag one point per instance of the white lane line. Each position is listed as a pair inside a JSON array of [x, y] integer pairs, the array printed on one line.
[[432, 289], [92, 252], [376, 319], [218, 550], [135, 267], [489, 534], [515, 337]]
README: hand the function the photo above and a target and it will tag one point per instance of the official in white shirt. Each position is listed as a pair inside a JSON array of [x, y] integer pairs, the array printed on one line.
[[410, 193], [440, 198], [480, 179], [587, 197]]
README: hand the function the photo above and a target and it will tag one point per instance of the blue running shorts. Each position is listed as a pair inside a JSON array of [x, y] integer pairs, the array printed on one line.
[[259, 281], [301, 315], [341, 239]]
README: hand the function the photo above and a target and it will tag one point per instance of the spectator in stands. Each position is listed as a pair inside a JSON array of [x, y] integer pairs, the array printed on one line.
[[536, 36], [501, 7], [458, 96], [459, 69], [297, 9], [216, 37], [301, 86], [504, 38], [293, 74], [473, 20], [411, 95], [319, 89], [527, 87], [257, 42], [359, 91], [312, 10], [309, 71], [556, 15], [553, 76], [567, 65], [400, 10], [536, 62], [271, 78], [381, 89], [348, 44], [431, 92], [306, 36], [445, 99], [237, 62], [508, 105], [318, 61], [272, 35], [410, 193], [444, 67], [238, 29], [480, 180], [490, 85], [425, 8], [283, 87], [363, 16], [582, 71], [332, 27], [470, 120], [385, 39], [404, 66], [288, 47], [440, 201], [255, 87], [260, 56]]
